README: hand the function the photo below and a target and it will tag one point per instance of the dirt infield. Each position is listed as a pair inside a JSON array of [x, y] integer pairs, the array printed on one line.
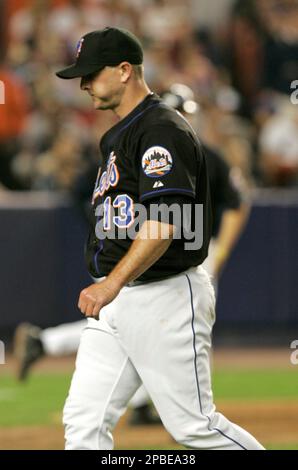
[[271, 423]]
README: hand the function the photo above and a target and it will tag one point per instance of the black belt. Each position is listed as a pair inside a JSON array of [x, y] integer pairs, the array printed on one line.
[[133, 283]]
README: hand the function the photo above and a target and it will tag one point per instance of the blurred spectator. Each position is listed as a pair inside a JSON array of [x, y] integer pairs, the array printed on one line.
[[12, 119], [279, 147], [222, 128], [280, 22], [235, 54], [166, 20], [64, 20], [264, 45], [60, 167], [246, 56]]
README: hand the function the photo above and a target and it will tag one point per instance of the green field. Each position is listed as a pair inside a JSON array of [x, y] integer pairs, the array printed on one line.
[[34, 402], [256, 384], [40, 400]]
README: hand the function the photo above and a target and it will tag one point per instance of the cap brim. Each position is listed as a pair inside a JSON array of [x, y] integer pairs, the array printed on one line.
[[77, 71]]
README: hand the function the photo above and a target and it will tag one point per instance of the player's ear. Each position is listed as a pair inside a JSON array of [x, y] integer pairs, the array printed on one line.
[[125, 70]]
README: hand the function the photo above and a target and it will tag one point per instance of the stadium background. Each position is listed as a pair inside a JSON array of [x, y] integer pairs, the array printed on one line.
[[240, 59]]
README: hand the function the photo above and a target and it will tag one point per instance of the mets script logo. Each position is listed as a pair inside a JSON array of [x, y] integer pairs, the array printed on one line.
[[79, 46], [109, 178], [157, 162]]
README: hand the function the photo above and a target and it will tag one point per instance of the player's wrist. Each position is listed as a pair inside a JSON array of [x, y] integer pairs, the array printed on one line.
[[115, 282]]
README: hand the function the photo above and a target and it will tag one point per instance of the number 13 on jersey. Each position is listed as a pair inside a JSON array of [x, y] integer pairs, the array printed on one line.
[[125, 217]]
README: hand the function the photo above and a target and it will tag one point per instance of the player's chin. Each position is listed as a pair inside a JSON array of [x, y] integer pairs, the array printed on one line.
[[97, 105], [101, 106]]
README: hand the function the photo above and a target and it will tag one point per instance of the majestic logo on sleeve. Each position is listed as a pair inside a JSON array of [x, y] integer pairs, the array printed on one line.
[[157, 162], [108, 178]]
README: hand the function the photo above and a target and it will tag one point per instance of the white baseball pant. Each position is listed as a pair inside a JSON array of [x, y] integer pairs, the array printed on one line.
[[158, 333], [65, 339]]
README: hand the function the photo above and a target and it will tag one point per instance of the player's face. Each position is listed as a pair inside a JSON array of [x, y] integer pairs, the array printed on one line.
[[104, 87]]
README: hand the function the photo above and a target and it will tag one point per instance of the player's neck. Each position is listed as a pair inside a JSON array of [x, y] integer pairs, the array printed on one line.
[[131, 98]]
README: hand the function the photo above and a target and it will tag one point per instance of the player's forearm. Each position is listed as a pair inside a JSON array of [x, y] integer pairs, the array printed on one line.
[[143, 253], [232, 225], [233, 222]]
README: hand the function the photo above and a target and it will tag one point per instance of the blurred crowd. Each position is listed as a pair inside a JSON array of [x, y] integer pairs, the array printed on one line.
[[239, 57]]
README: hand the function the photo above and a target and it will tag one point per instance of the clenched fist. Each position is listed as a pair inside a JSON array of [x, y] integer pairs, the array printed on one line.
[[93, 298]]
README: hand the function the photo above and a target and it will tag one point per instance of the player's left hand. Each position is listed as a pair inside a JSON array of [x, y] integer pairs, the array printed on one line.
[[93, 298]]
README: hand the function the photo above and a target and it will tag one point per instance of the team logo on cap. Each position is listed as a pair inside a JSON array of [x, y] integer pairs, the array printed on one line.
[[79, 46], [157, 162]]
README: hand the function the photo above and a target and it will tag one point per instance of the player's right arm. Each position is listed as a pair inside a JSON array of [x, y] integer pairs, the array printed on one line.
[[152, 241]]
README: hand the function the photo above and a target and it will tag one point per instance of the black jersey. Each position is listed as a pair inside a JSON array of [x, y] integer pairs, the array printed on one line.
[[224, 192], [151, 153]]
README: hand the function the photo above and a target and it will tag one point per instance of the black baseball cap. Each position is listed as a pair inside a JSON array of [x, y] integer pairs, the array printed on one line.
[[98, 49]]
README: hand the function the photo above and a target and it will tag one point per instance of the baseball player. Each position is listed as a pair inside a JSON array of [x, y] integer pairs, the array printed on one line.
[[150, 315], [230, 211]]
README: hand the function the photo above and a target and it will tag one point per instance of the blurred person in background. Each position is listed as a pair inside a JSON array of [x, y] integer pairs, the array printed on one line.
[[278, 145], [280, 21], [223, 128], [229, 196], [12, 119], [42, 128], [61, 166], [166, 20], [244, 55], [263, 37]]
